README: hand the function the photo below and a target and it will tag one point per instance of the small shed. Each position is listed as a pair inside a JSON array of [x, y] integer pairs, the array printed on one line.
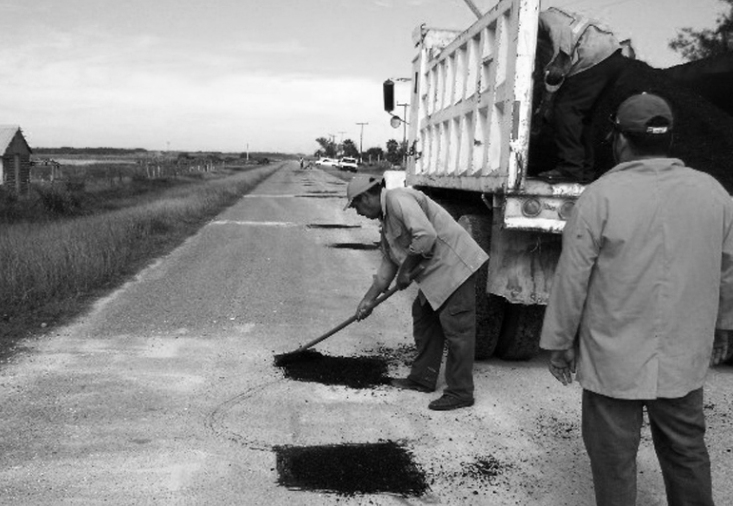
[[15, 171]]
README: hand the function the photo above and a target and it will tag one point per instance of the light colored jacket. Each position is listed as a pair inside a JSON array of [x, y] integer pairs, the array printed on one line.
[[413, 223], [645, 276], [586, 41]]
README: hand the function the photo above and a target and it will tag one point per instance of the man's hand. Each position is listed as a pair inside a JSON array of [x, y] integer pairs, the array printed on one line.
[[562, 365], [364, 308], [720, 346], [408, 270], [403, 280]]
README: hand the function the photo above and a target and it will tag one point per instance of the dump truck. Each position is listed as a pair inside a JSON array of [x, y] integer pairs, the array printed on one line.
[[471, 148]]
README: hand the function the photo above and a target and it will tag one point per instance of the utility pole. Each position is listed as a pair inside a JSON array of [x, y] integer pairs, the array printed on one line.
[[404, 134], [361, 139], [333, 142], [341, 143]]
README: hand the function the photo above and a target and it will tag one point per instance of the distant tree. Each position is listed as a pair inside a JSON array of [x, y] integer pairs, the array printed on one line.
[[350, 149], [394, 152], [374, 154], [696, 45], [328, 148]]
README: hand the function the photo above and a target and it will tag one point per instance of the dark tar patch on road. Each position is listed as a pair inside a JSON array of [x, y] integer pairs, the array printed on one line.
[[350, 469], [354, 372], [354, 245], [330, 225]]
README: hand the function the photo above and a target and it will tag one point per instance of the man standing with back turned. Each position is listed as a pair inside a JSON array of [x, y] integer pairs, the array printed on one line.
[[422, 242], [643, 301]]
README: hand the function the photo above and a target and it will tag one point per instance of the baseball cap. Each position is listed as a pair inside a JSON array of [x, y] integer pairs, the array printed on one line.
[[358, 185], [644, 113]]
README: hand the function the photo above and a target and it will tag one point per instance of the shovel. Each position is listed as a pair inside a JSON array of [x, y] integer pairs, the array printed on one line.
[[286, 358]]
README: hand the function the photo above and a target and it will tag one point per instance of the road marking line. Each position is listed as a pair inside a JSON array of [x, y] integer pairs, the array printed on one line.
[[269, 195]]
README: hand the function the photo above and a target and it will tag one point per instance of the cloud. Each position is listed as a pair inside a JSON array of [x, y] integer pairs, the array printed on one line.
[[92, 88]]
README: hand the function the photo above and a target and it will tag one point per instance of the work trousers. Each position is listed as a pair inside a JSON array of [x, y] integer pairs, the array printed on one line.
[[572, 115], [453, 323], [612, 431]]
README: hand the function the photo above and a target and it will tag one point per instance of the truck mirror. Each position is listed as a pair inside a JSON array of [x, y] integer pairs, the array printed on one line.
[[388, 94]]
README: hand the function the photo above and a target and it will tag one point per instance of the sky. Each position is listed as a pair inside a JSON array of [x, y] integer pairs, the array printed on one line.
[[247, 75]]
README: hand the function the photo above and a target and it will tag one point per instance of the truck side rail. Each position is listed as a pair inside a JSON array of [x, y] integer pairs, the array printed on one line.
[[471, 102]]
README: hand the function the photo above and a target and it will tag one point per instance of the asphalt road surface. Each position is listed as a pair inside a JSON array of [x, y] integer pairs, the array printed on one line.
[[167, 393]]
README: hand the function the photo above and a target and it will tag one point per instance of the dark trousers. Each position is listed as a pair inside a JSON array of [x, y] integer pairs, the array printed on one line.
[[453, 323], [612, 430], [573, 109]]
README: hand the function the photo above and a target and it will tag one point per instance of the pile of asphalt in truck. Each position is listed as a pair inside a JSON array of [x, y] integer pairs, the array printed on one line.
[[703, 132]]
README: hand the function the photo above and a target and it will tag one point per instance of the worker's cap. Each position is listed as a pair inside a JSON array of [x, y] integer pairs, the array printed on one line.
[[358, 185], [644, 113]]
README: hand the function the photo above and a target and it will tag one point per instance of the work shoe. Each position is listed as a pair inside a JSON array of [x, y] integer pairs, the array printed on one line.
[[408, 384], [448, 402]]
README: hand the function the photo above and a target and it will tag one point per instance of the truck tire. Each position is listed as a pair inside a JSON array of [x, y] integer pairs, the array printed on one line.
[[489, 308], [520, 334]]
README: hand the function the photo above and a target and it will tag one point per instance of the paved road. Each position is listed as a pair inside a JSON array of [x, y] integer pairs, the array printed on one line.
[[167, 394]]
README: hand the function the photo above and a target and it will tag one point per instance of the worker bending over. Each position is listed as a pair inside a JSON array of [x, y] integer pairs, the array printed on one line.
[[585, 58], [421, 242]]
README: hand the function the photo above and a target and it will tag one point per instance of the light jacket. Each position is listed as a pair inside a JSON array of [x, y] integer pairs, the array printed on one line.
[[413, 223], [587, 42], [644, 278]]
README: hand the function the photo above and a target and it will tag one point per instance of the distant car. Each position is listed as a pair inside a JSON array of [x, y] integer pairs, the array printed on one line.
[[347, 163], [328, 162]]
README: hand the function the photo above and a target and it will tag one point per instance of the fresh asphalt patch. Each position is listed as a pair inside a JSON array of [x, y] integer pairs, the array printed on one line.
[[331, 226], [353, 372], [350, 469], [354, 245]]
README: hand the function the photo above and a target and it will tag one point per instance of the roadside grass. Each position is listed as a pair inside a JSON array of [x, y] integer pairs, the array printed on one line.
[[52, 270]]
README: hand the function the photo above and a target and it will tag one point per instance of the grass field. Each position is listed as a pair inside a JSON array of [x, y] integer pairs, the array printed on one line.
[[66, 243]]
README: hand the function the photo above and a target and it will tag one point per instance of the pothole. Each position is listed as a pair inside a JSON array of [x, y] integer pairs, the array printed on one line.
[[350, 469], [353, 372], [354, 245], [330, 225]]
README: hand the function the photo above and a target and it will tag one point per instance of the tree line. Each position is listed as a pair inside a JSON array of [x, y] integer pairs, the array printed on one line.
[[393, 152], [710, 42]]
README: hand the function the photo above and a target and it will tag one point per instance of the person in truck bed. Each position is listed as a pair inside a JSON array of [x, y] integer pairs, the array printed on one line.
[[642, 305], [420, 241], [584, 58]]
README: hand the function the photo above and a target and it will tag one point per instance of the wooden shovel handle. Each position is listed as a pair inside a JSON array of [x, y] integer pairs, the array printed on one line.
[[386, 295]]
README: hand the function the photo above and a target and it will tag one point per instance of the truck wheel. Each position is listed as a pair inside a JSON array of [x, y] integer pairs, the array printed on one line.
[[489, 309], [520, 334]]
